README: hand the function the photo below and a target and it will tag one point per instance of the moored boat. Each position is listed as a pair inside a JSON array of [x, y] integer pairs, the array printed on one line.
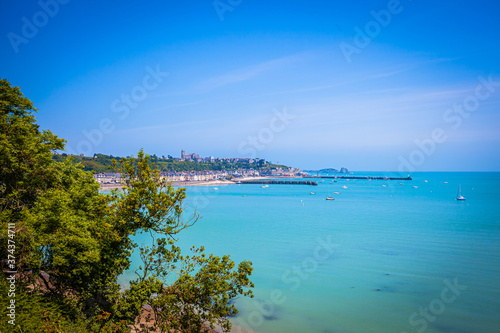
[[460, 197]]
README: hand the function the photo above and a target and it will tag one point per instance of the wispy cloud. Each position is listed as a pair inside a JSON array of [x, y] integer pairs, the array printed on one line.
[[298, 91], [439, 60], [406, 67], [165, 126], [380, 106], [338, 84], [386, 74], [247, 73], [175, 106]]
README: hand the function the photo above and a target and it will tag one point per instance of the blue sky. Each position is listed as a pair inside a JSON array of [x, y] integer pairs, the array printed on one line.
[[404, 92]]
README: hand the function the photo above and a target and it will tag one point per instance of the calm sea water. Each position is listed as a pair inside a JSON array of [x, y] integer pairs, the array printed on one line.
[[376, 259]]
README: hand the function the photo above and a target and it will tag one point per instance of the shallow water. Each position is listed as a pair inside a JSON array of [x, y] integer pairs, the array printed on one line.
[[377, 259]]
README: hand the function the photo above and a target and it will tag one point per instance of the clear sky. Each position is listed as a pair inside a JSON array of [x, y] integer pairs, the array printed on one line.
[[369, 85]]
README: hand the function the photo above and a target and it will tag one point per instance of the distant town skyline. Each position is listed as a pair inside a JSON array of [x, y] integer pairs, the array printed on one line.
[[378, 86]]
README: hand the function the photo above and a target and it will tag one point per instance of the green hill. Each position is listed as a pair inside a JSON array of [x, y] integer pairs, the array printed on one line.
[[104, 163]]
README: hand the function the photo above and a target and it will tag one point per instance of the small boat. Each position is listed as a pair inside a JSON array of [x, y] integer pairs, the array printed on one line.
[[401, 184], [312, 193], [336, 192], [344, 186], [425, 181], [215, 188], [330, 198], [384, 185], [244, 195], [265, 186], [415, 186], [335, 180], [460, 197], [445, 182]]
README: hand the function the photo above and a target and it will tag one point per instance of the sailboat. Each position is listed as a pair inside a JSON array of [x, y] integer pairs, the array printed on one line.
[[460, 197], [329, 197]]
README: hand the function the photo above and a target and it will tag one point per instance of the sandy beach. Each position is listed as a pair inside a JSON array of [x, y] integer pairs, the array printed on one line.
[[193, 183]]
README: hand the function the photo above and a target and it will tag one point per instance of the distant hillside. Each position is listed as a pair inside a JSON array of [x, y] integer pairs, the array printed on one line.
[[104, 163], [330, 170]]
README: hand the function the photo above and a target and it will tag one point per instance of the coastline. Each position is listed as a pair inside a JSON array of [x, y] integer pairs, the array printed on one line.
[[192, 183]]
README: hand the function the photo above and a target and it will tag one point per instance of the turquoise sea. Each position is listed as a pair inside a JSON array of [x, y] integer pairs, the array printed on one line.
[[377, 259]]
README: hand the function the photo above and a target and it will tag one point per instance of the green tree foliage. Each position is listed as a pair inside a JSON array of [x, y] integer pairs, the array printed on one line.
[[97, 164], [73, 242], [104, 163], [25, 151]]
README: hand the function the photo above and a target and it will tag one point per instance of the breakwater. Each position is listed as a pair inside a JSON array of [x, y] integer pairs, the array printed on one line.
[[363, 177], [279, 182]]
